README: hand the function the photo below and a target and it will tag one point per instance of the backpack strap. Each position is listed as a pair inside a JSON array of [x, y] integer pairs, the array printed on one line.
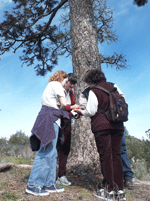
[[102, 88], [86, 92], [105, 90]]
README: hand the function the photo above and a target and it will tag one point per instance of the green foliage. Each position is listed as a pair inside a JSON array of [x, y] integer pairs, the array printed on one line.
[[140, 2], [18, 160], [139, 155], [148, 133], [146, 151], [17, 149], [140, 169], [27, 29], [3, 141], [9, 196], [19, 138], [30, 27], [126, 131], [135, 148]]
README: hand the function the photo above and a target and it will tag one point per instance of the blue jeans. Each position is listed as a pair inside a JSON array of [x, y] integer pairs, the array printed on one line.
[[127, 171], [43, 172]]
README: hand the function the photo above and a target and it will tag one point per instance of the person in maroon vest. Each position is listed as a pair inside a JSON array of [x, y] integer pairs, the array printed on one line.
[[64, 150], [108, 136]]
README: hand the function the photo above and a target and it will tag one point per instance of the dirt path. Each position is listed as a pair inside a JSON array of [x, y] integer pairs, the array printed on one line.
[[137, 181]]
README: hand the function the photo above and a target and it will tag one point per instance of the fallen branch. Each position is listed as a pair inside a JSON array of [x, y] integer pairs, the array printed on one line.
[[7, 165]]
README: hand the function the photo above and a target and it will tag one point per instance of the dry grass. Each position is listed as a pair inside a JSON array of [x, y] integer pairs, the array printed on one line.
[[13, 184]]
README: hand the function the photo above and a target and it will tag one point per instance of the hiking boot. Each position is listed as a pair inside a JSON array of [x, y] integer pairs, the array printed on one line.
[[53, 189], [36, 190], [63, 180], [120, 195], [128, 183]]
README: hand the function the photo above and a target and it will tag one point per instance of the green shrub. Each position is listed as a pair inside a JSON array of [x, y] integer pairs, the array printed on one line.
[[140, 169], [8, 196]]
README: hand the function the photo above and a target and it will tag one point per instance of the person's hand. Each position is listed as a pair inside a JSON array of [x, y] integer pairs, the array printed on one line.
[[79, 111], [58, 103], [77, 116], [73, 107]]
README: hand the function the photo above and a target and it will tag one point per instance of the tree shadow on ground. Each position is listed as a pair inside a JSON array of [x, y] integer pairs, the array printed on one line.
[[85, 176]]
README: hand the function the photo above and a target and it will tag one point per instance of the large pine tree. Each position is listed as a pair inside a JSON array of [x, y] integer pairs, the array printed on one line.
[[30, 27]]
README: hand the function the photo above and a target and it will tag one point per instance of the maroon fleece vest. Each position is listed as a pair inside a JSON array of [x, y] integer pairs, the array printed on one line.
[[99, 121]]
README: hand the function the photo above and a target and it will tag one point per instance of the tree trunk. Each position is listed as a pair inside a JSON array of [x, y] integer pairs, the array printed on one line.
[[85, 56]]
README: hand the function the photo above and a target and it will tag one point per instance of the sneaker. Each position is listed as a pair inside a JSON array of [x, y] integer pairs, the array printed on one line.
[[63, 180], [109, 196], [120, 195], [53, 188], [36, 190], [99, 194], [128, 183]]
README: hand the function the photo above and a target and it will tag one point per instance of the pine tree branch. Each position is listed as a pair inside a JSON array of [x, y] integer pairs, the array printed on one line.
[[54, 11]]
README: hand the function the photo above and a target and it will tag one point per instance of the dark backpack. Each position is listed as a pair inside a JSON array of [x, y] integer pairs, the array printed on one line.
[[117, 110]]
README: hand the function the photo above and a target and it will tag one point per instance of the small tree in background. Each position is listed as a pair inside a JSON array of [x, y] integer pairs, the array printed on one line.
[[147, 149], [147, 153], [135, 148], [19, 138], [3, 141], [148, 133]]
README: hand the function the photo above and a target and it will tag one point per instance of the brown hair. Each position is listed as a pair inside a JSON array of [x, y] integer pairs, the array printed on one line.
[[94, 76], [58, 76]]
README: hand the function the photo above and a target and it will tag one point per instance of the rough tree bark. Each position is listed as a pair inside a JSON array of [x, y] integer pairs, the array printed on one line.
[[85, 56]]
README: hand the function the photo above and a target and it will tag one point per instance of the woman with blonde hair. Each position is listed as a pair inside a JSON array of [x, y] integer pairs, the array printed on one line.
[[43, 175]]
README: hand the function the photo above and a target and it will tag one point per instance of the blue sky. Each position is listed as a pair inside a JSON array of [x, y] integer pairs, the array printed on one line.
[[21, 89]]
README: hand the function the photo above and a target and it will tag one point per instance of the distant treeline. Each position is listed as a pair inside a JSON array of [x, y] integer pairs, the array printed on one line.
[[137, 149]]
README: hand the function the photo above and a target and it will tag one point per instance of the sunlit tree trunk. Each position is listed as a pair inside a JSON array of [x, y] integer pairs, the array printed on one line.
[[85, 56]]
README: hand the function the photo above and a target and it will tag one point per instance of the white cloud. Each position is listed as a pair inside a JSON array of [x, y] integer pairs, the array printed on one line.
[[120, 7], [4, 2], [129, 15]]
